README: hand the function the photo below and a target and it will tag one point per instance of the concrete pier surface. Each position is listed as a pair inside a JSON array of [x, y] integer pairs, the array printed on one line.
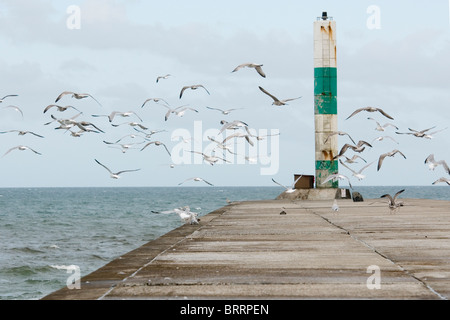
[[283, 249]]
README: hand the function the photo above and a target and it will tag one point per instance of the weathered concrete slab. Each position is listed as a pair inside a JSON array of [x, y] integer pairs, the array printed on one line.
[[290, 250]]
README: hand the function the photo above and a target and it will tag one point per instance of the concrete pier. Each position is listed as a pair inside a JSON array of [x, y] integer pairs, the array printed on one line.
[[284, 249]]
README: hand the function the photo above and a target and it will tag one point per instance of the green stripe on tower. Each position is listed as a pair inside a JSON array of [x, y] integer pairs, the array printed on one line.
[[325, 91]]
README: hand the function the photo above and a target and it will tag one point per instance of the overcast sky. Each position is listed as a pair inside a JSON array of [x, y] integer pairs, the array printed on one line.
[[391, 54]]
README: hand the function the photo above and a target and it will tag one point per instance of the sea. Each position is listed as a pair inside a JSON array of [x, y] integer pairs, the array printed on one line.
[[44, 230]]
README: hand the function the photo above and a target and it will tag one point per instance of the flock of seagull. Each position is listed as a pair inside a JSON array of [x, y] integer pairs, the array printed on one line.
[[359, 147], [70, 119], [240, 129]]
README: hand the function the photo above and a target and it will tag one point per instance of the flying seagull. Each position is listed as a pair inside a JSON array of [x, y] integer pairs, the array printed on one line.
[[21, 148], [384, 126], [179, 111], [115, 175], [371, 109], [187, 215], [417, 133], [15, 108], [257, 67], [432, 163], [388, 154], [444, 180], [224, 112], [77, 96], [357, 174], [291, 188], [193, 87], [210, 158], [232, 125], [133, 124], [22, 133], [59, 108], [341, 133], [430, 135], [335, 177], [196, 179], [276, 101], [162, 77], [117, 113], [353, 159], [359, 147], [393, 204], [154, 100], [156, 143], [381, 138], [9, 95]]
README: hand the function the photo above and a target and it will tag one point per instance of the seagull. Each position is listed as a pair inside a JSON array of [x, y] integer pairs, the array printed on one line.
[[357, 174], [115, 175], [359, 147], [381, 138], [22, 133], [432, 163], [276, 101], [382, 127], [154, 100], [123, 147], [15, 108], [193, 87], [133, 124], [179, 111], [353, 159], [77, 96], [7, 96], [257, 67], [196, 179], [232, 125], [341, 133], [224, 112], [416, 133], [162, 77], [156, 143], [393, 204], [445, 180], [211, 159], [187, 215], [370, 109], [239, 135], [430, 135], [21, 148], [335, 206], [149, 135], [291, 188], [260, 137], [388, 154], [220, 145], [59, 108], [335, 177], [117, 113]]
